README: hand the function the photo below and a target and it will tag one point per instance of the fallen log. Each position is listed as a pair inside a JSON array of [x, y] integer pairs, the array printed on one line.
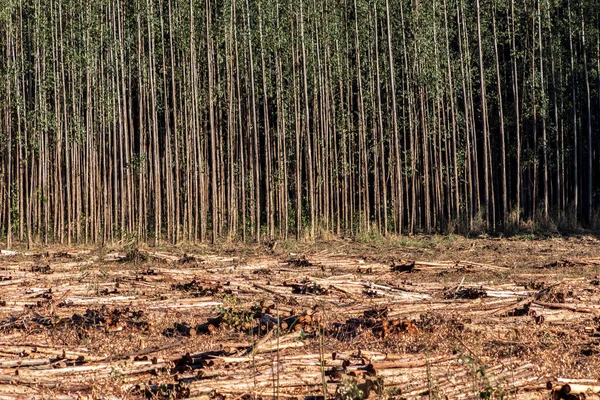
[[577, 388], [28, 363], [74, 301], [561, 306]]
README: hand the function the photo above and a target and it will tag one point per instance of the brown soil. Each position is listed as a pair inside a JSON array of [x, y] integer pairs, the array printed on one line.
[[429, 317]]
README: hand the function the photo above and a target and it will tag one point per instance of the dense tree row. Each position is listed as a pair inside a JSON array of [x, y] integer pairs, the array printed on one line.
[[191, 120]]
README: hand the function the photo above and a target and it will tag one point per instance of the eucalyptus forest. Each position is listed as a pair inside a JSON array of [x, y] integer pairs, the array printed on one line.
[[199, 120]]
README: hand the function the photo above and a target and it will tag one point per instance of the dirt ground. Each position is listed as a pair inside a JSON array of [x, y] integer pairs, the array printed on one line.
[[426, 317]]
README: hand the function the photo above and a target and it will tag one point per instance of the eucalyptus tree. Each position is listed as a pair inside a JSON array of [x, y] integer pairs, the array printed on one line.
[[181, 120]]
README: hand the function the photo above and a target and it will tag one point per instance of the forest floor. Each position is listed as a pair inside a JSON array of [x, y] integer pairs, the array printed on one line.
[[429, 317]]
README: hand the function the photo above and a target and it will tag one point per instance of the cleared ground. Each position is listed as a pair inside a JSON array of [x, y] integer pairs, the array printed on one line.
[[410, 318]]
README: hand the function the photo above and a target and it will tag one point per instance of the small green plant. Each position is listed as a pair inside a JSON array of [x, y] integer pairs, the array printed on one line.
[[133, 253], [116, 375], [489, 390], [544, 225], [372, 236], [433, 389], [321, 332], [348, 390], [479, 225], [233, 315], [394, 393], [483, 385], [351, 389]]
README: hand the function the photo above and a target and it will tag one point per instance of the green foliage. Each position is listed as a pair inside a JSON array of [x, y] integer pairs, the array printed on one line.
[[233, 315], [349, 390]]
